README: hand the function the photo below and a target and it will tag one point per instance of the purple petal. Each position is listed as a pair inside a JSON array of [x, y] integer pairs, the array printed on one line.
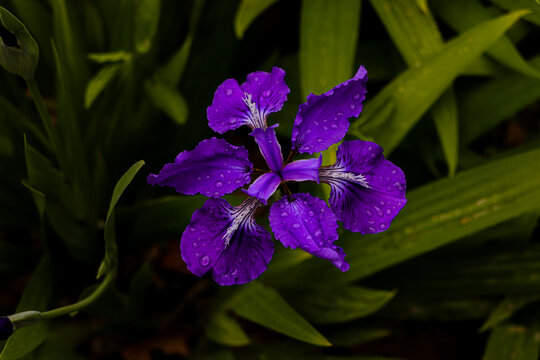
[[367, 190], [264, 186], [304, 221], [228, 110], [214, 168], [249, 104], [269, 146], [268, 90], [227, 241], [302, 170], [323, 119]]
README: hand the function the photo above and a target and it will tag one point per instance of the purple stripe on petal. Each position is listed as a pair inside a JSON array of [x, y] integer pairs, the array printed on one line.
[[323, 119], [227, 241], [269, 146], [368, 191], [267, 90], [302, 170], [248, 104], [264, 186], [214, 168], [306, 222]]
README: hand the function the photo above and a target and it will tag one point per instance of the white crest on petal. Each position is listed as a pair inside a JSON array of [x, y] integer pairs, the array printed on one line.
[[258, 120]]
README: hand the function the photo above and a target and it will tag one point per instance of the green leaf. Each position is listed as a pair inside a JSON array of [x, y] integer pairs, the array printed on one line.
[[266, 307], [39, 199], [115, 56], [514, 342], [174, 70], [328, 37], [99, 82], [168, 99], [225, 330], [19, 52], [111, 250], [337, 304], [464, 14], [122, 184], [247, 12], [506, 308], [146, 24], [445, 114], [533, 5], [36, 296], [417, 89], [484, 106], [414, 32], [438, 214]]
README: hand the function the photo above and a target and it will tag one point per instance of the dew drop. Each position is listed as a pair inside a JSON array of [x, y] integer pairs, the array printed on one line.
[[296, 225], [311, 213], [205, 260], [235, 274], [388, 212], [339, 114], [237, 181], [333, 126], [195, 245], [197, 255], [222, 176], [352, 106], [382, 226], [229, 92], [371, 229], [284, 214], [378, 210], [325, 128], [369, 213], [319, 139], [192, 229], [216, 193], [232, 121], [207, 177], [318, 233], [199, 178], [267, 93], [356, 97], [282, 205], [218, 184]]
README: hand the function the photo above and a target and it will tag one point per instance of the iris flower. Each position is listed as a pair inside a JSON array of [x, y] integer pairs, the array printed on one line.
[[367, 191]]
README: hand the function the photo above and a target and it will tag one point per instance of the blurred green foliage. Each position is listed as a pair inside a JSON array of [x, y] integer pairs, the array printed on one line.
[[91, 87]]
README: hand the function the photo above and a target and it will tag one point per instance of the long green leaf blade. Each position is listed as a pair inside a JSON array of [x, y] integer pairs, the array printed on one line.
[[463, 14], [513, 342], [265, 306], [417, 89]]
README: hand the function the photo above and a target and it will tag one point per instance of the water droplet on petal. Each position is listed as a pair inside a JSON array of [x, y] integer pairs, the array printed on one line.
[[352, 106], [378, 210], [388, 212], [216, 193], [382, 226], [205, 260], [235, 274], [311, 213], [284, 214], [369, 213], [192, 229], [296, 225], [229, 92], [318, 233], [237, 181], [267, 93], [356, 97], [199, 178], [195, 245], [218, 184], [319, 140], [207, 177], [371, 229], [333, 126]]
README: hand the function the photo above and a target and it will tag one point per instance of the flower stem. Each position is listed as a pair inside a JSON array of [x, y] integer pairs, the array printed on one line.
[[69, 309]]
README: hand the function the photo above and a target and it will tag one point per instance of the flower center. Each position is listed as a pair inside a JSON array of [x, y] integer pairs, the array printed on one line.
[[258, 120]]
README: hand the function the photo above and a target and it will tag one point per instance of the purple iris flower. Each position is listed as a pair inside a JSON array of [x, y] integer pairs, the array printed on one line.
[[367, 191]]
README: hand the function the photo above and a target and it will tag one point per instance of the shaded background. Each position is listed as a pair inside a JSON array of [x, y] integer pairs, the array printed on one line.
[[452, 97]]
